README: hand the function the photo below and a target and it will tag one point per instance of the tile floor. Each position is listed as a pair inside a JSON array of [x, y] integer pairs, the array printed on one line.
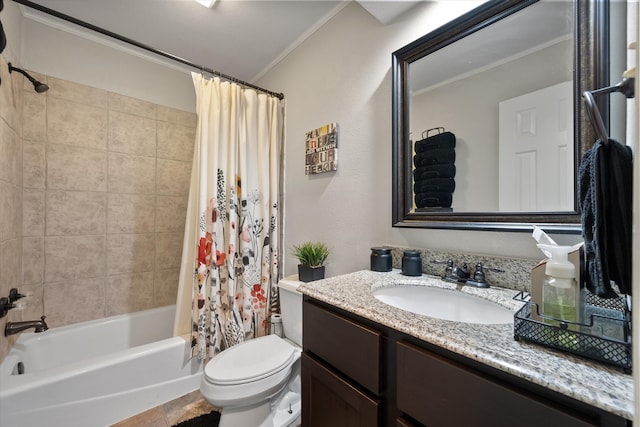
[[183, 408]]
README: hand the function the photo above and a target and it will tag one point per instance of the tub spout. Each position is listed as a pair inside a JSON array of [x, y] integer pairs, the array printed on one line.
[[14, 327]]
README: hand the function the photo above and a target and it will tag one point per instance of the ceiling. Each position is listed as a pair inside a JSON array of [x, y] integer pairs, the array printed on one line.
[[241, 38]]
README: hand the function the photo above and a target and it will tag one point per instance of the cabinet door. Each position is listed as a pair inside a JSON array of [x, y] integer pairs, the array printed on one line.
[[329, 400], [346, 345], [441, 393]]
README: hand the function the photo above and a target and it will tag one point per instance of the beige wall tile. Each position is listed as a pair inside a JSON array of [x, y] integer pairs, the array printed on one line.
[[74, 301], [33, 261], [75, 212], [171, 212], [76, 124], [127, 253], [10, 155], [8, 103], [76, 168], [35, 117], [74, 257], [34, 302], [173, 177], [33, 164], [8, 211], [132, 134], [10, 264], [130, 105], [168, 250], [33, 221], [78, 93], [128, 293], [130, 213], [176, 142], [131, 174], [185, 118], [66, 171], [165, 288]]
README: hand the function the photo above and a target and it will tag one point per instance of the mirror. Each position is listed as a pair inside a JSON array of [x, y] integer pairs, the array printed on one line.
[[488, 121]]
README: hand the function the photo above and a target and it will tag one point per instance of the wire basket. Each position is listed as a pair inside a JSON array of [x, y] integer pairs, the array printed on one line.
[[605, 336]]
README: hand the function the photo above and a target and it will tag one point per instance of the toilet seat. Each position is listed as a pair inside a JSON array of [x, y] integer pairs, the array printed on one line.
[[250, 361], [249, 373]]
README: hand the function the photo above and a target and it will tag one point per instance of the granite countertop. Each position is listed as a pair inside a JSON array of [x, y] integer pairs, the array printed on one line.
[[599, 385]]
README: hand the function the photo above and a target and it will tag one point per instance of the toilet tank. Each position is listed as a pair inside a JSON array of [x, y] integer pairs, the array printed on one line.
[[291, 308]]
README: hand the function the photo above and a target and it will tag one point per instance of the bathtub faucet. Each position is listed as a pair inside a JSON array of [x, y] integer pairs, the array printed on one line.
[[14, 327]]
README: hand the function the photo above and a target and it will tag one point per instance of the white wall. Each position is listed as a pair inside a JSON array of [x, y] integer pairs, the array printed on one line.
[[342, 74], [135, 73], [12, 24]]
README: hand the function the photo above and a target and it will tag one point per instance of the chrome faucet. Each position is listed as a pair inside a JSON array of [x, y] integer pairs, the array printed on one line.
[[15, 327]]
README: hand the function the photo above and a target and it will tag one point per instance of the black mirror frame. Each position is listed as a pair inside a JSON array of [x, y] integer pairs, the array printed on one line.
[[590, 58]]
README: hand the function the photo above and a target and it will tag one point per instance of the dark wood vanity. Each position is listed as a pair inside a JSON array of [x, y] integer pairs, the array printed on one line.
[[356, 372]]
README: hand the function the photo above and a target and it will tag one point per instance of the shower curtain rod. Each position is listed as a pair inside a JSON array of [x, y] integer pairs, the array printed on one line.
[[127, 40]]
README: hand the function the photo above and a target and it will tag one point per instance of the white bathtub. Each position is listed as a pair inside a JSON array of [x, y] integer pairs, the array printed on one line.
[[96, 373]]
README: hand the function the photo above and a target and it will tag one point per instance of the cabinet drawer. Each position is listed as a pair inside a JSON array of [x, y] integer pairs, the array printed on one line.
[[348, 346], [330, 400], [438, 392]]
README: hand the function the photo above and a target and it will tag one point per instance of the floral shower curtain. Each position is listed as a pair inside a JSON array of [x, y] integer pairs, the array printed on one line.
[[231, 243]]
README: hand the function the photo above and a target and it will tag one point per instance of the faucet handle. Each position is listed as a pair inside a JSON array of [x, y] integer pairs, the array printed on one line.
[[5, 306], [478, 279], [448, 271], [14, 295]]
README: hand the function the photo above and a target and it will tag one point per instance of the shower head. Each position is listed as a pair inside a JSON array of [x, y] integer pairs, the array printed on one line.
[[37, 85]]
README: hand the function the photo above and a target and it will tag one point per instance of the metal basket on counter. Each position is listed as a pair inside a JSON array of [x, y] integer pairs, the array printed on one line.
[[605, 335]]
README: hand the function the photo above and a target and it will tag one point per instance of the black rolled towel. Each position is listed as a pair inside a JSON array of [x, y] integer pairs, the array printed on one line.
[[434, 157], [605, 190], [446, 170], [433, 199], [441, 140], [435, 184]]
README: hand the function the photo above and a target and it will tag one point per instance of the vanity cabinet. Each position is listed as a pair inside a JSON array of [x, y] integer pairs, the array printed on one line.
[[440, 393], [356, 372], [341, 370]]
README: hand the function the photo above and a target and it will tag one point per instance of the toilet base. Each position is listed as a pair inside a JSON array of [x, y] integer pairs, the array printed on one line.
[[253, 415], [284, 412]]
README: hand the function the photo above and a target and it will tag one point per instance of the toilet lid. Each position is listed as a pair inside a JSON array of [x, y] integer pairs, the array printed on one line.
[[250, 361]]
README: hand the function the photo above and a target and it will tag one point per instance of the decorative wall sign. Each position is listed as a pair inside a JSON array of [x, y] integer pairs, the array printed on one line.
[[321, 150]]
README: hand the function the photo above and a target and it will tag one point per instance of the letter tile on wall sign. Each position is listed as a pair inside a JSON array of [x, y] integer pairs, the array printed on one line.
[[321, 150]]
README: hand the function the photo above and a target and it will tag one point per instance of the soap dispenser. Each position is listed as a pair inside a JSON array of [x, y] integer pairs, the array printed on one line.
[[561, 296]]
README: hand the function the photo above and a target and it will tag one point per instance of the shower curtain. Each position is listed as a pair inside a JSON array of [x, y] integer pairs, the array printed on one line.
[[232, 232]]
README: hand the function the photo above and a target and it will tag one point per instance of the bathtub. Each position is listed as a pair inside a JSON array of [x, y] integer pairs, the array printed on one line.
[[96, 373]]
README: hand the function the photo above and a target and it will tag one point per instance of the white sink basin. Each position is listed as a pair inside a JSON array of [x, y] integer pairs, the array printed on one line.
[[444, 304]]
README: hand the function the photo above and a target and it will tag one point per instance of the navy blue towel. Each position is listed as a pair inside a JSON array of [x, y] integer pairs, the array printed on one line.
[[434, 157], [605, 187], [441, 140], [434, 184], [433, 199], [447, 170]]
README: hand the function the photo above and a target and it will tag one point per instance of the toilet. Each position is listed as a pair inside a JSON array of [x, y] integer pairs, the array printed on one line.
[[257, 383]]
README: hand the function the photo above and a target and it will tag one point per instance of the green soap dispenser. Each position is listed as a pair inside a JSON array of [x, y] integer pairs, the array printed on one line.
[[561, 296]]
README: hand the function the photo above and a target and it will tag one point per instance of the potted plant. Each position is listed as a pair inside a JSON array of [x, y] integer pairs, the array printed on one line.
[[311, 256]]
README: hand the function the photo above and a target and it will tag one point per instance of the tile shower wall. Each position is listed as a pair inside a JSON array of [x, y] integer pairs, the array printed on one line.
[[11, 101], [106, 181]]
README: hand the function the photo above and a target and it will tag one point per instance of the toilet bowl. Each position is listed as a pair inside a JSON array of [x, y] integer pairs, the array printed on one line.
[[257, 383]]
